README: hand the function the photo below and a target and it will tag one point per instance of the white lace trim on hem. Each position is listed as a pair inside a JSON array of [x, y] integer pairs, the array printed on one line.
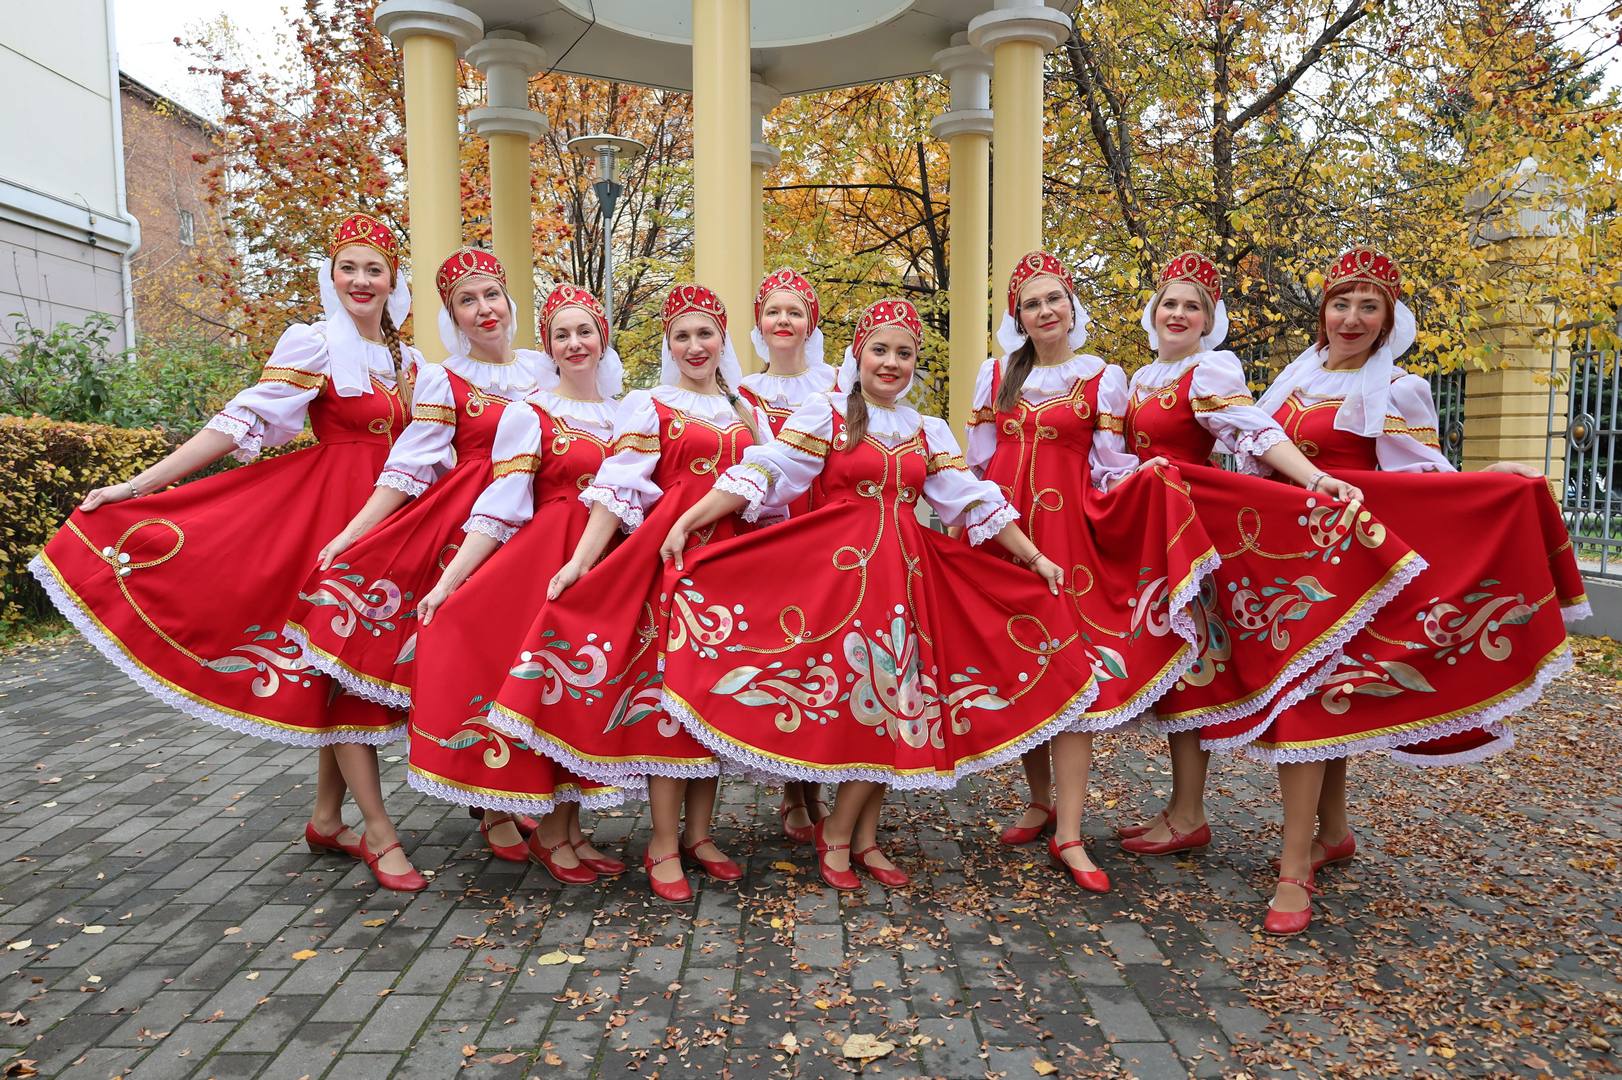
[[110, 651], [351, 683], [633, 775], [514, 804], [770, 770], [1577, 612]]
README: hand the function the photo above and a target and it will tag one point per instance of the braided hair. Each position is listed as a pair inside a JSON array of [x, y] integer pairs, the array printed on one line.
[[738, 405]]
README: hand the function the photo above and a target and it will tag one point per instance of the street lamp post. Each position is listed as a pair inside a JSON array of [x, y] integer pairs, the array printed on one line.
[[608, 151]]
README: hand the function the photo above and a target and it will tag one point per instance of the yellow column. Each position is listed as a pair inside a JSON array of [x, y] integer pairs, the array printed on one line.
[[429, 36], [1525, 223], [507, 60], [721, 176], [1018, 36], [967, 131], [762, 156]]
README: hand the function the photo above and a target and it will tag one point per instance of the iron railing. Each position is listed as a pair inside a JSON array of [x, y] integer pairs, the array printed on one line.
[[1589, 405]]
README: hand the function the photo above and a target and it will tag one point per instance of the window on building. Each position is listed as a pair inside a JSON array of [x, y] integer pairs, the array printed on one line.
[[188, 228]]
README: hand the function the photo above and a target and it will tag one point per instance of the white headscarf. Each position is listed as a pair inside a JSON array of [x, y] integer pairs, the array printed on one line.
[[455, 341], [1219, 325], [814, 346], [610, 375], [729, 368], [1009, 336], [350, 371], [1364, 408]]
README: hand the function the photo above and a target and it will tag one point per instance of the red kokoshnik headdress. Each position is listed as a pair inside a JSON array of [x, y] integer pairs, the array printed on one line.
[[366, 230], [1198, 271], [787, 280], [566, 296], [684, 299], [463, 264], [1036, 264], [1364, 264], [888, 312]]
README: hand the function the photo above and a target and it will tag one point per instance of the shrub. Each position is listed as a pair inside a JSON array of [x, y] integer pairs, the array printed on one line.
[[49, 465]]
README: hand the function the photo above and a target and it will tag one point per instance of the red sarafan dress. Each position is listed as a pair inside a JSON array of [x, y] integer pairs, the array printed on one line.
[[779, 396], [856, 643], [357, 619], [1437, 673], [1300, 574], [1134, 558], [600, 642], [187, 590], [545, 455]]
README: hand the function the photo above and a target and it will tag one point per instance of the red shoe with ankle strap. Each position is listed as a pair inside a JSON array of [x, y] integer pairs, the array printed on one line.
[[579, 874], [676, 892], [1017, 835], [319, 843], [1334, 854], [518, 852], [408, 882], [526, 824], [604, 866], [888, 876], [799, 834], [843, 880], [1284, 923], [1092, 880], [1127, 832], [1194, 841], [722, 869]]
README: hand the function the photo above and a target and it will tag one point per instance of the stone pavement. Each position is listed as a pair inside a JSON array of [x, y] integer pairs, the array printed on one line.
[[160, 917]]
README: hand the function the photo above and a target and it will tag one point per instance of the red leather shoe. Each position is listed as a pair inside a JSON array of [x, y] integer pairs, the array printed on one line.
[[319, 843], [1015, 836], [1127, 832], [676, 892], [580, 874], [843, 880], [799, 834], [526, 824], [1334, 854], [409, 882], [1284, 923], [722, 869], [1194, 841], [1092, 880], [604, 867], [889, 877], [518, 852]]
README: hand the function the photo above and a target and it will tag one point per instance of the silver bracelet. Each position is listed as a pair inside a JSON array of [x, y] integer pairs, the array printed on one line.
[[135, 490], [1312, 483]]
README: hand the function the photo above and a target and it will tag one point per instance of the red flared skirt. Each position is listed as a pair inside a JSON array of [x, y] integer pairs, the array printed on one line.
[[1477, 637], [187, 591], [585, 686], [844, 647], [1300, 576]]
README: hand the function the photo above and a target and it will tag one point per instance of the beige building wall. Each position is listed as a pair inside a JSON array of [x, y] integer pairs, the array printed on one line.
[[65, 232]]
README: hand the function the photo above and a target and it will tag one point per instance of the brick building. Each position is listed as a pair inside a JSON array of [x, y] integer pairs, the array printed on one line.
[[181, 235]]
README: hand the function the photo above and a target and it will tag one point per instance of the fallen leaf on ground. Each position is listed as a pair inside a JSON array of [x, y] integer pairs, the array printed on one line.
[[373, 922], [790, 1044], [18, 946], [305, 954], [867, 1047], [1043, 1068], [95, 928], [468, 1049]]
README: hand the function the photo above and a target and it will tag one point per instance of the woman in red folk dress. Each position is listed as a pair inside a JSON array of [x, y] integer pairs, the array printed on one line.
[[789, 340], [1301, 572], [601, 642], [1433, 678], [1046, 429], [897, 656], [521, 530], [187, 590]]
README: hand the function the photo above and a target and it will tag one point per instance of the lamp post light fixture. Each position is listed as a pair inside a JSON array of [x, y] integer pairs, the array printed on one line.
[[609, 152]]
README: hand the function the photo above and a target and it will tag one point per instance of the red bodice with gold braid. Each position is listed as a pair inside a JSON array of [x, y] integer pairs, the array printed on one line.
[[358, 618], [1162, 423], [1439, 671], [1311, 427], [462, 655], [887, 651], [187, 590], [1133, 560], [584, 688]]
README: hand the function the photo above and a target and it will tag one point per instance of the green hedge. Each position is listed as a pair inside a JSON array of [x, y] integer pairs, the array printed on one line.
[[49, 466]]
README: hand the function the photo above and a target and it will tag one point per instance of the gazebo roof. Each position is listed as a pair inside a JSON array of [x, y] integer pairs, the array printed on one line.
[[799, 46]]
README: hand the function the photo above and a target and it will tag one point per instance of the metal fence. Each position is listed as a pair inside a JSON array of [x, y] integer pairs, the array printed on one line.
[[1588, 405]]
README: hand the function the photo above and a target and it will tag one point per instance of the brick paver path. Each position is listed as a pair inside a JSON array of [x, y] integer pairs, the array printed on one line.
[[160, 917]]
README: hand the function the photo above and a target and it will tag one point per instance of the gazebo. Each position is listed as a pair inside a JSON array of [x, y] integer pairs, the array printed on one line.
[[738, 60]]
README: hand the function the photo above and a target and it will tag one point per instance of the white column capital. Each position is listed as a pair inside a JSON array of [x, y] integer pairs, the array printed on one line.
[[496, 120], [968, 71], [400, 19], [507, 60], [949, 125], [763, 98], [1021, 20]]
